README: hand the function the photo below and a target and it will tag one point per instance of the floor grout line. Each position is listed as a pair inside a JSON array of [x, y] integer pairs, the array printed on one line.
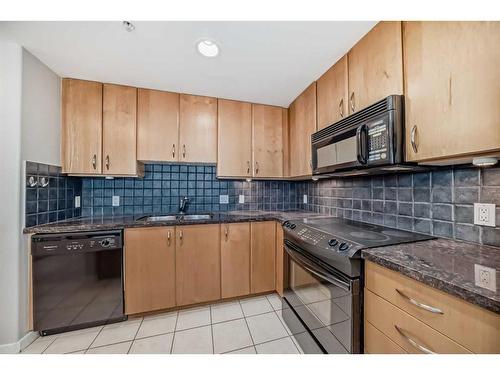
[[212, 330], [175, 329], [136, 332], [248, 327]]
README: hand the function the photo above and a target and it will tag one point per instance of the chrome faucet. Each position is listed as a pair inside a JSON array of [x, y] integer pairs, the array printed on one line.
[[182, 206]]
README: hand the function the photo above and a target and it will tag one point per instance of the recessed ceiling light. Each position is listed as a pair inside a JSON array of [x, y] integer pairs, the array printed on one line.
[[129, 26], [207, 48]]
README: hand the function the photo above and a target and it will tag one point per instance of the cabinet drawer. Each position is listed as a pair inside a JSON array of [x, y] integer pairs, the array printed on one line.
[[378, 343], [403, 329], [473, 327]]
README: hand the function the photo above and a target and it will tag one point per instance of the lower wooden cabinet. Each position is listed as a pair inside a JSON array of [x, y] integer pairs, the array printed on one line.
[[235, 259], [197, 260], [280, 260], [149, 269], [378, 343], [263, 256]]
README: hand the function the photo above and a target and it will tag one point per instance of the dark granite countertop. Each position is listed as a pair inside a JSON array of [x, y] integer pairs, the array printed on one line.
[[120, 222], [444, 264]]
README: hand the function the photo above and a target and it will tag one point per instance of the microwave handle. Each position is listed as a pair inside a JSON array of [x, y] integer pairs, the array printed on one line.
[[362, 144]]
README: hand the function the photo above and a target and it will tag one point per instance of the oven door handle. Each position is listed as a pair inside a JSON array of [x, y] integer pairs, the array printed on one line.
[[362, 144], [303, 262]]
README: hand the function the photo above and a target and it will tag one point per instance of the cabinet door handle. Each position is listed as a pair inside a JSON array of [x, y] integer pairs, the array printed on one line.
[[353, 106], [94, 161], [173, 151], [180, 236], [341, 108], [226, 232], [413, 133], [184, 151], [107, 162], [248, 167], [423, 306], [412, 342], [168, 238], [256, 167]]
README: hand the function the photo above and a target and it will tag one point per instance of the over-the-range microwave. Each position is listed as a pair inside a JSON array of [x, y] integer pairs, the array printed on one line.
[[370, 141]]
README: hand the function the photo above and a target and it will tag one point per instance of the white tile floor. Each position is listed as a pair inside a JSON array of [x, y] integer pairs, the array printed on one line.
[[248, 326]]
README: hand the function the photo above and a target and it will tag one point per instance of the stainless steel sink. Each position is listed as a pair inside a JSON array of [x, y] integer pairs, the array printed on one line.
[[175, 217], [159, 218], [195, 217]]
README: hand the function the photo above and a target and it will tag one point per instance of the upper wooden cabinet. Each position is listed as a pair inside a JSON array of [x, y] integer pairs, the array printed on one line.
[[119, 130], [302, 123], [376, 66], [234, 156], [452, 84], [332, 92], [198, 129], [149, 264], [267, 136], [157, 125], [197, 259], [81, 131], [263, 256]]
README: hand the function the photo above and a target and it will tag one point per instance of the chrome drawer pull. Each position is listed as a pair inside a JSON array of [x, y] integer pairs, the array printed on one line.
[[413, 142], [413, 343], [341, 108], [168, 238], [431, 309], [353, 107], [173, 151]]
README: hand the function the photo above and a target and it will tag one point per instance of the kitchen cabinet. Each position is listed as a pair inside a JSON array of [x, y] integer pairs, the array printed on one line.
[[262, 256], [149, 268], [235, 259], [197, 259], [81, 130], [452, 89], [234, 156], [332, 92], [198, 129], [375, 66], [267, 136], [280, 260], [157, 125], [441, 323], [119, 133], [302, 118]]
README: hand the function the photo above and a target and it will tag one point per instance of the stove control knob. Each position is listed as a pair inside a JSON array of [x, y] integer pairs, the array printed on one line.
[[343, 247], [286, 224], [333, 242], [292, 226], [105, 243]]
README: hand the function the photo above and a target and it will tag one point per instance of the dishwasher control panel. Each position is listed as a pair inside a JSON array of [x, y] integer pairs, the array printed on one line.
[[45, 244]]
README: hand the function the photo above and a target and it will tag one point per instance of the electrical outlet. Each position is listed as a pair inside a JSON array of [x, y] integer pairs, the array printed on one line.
[[484, 214], [77, 201], [241, 198], [485, 277], [223, 199], [116, 201], [304, 199]]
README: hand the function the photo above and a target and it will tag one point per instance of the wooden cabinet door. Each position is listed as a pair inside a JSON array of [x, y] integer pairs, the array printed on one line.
[[332, 94], [235, 259], [198, 129], [452, 84], [267, 136], [280, 260], [149, 264], [234, 156], [302, 124], [376, 66], [262, 256], [157, 125], [197, 263], [81, 131], [119, 130]]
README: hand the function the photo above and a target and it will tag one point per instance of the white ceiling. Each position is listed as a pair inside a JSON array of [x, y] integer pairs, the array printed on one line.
[[261, 62]]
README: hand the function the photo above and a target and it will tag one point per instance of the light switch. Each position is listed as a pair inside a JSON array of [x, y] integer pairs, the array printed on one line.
[[304, 199], [224, 199], [77, 201], [241, 198], [116, 201]]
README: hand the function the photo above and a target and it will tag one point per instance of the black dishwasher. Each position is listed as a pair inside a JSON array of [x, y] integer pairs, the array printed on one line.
[[77, 280]]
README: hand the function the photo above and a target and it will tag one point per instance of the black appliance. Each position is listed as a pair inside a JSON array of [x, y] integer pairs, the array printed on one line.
[[324, 279], [77, 280], [370, 141]]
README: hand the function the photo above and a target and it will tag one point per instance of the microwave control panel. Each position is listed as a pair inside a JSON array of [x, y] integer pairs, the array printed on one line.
[[377, 141]]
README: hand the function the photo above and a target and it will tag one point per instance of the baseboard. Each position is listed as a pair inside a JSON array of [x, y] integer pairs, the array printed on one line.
[[16, 347]]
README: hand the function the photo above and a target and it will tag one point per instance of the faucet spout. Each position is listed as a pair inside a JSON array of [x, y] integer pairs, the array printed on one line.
[[183, 204]]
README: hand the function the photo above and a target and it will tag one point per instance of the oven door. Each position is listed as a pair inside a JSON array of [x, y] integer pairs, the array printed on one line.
[[328, 303]]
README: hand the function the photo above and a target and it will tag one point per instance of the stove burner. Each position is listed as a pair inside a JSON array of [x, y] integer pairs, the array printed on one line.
[[397, 233], [369, 236]]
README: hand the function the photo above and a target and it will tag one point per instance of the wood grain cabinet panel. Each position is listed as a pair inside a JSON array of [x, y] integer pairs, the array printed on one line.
[[302, 118], [376, 66], [197, 259], [452, 89], [267, 136], [235, 259], [280, 260], [149, 266], [157, 125], [81, 127], [378, 343], [119, 130], [198, 129], [234, 156], [263, 257], [332, 92]]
